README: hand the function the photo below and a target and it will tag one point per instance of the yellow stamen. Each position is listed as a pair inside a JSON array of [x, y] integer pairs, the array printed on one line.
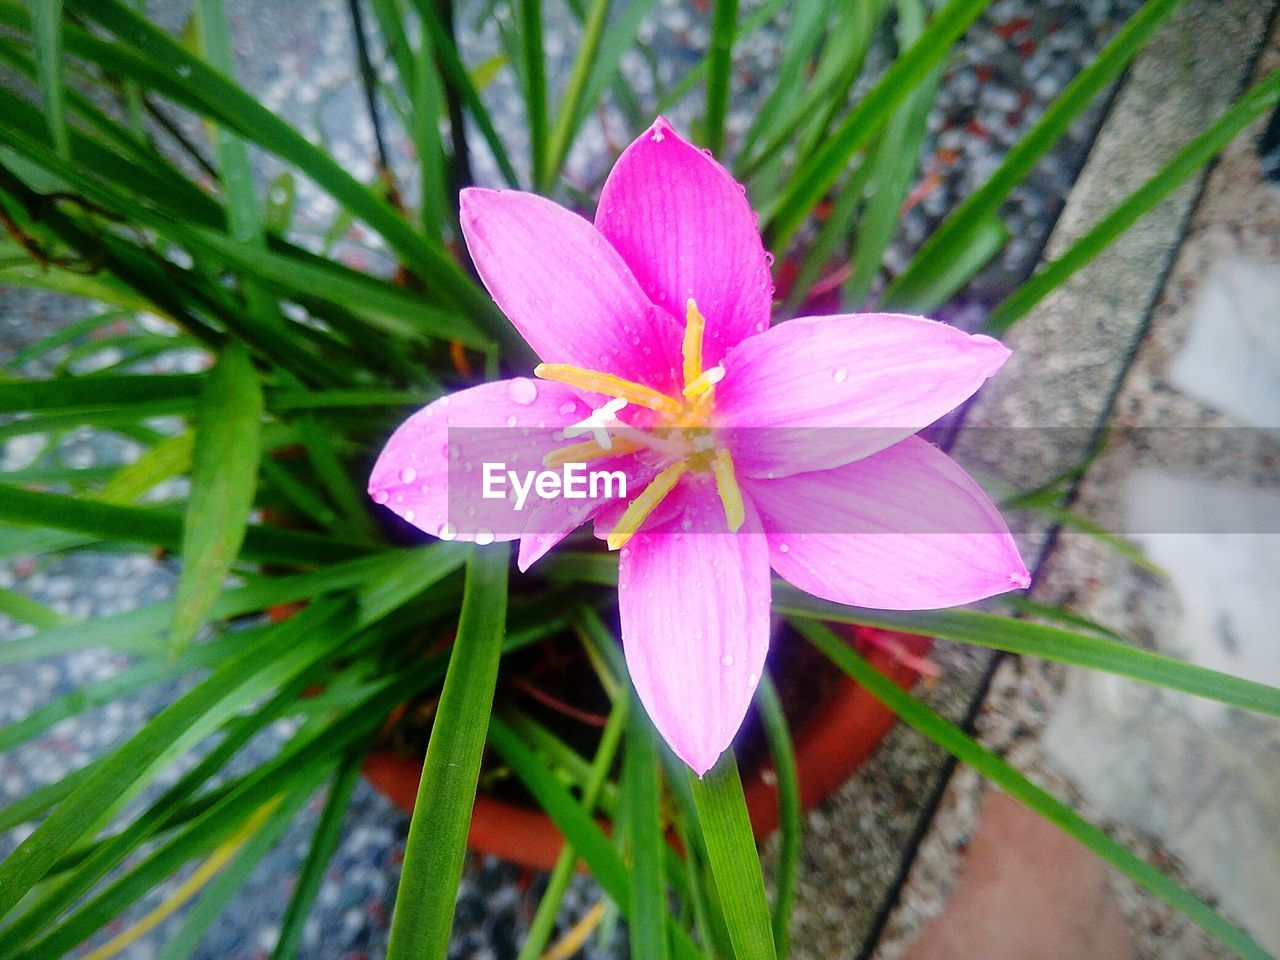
[[701, 385], [694, 325], [639, 509], [586, 452], [727, 487], [607, 383]]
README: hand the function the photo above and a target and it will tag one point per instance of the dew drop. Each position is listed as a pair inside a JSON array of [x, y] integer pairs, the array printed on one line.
[[424, 489], [511, 421], [768, 258], [408, 475], [484, 536], [567, 407], [839, 375], [447, 531], [381, 496], [409, 515], [443, 402], [783, 548], [522, 391], [726, 660], [752, 679]]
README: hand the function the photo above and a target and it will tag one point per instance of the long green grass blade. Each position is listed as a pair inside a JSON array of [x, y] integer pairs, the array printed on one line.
[[782, 752], [47, 25], [572, 100], [952, 739], [820, 171], [724, 28], [20, 607], [735, 864], [1039, 640], [1262, 97], [171, 732], [224, 475], [323, 843], [438, 834], [643, 798], [544, 920], [984, 203], [534, 75]]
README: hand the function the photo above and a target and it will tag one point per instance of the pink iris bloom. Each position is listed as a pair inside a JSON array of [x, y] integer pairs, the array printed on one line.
[[746, 447]]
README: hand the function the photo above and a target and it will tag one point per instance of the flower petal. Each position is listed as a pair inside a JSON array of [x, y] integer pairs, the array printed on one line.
[[903, 529], [685, 228], [695, 624], [819, 392], [551, 520], [566, 289], [430, 473]]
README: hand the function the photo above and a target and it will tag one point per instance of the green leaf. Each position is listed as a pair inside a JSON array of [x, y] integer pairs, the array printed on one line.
[[224, 475], [813, 178], [934, 283], [735, 864], [217, 896], [984, 203], [603, 860], [1040, 640], [643, 794], [782, 752], [572, 100], [438, 833], [162, 527], [324, 842], [1261, 98], [544, 920], [534, 75], [724, 27], [952, 739], [47, 26], [20, 607], [175, 729], [893, 164]]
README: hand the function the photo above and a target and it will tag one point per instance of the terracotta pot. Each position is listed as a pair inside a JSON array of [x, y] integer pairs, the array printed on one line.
[[835, 741]]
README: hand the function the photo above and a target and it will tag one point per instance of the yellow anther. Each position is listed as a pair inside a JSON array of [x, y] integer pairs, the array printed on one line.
[[639, 509], [694, 325], [586, 452], [727, 487], [607, 383], [701, 385]]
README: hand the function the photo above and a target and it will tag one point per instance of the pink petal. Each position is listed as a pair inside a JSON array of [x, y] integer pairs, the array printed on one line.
[[566, 289], [820, 392], [430, 471], [695, 624], [685, 228], [903, 529], [550, 521]]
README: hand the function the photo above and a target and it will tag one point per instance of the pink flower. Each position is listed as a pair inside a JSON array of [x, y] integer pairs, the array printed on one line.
[[745, 447]]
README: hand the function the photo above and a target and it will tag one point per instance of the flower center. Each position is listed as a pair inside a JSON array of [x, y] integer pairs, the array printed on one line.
[[683, 438]]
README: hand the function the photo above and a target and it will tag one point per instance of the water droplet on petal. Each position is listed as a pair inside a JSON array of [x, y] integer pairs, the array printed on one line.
[[726, 660], [447, 531], [839, 375], [408, 475], [484, 537], [783, 548], [409, 515], [768, 258], [567, 407], [511, 421], [522, 391], [424, 489], [752, 679], [381, 496]]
